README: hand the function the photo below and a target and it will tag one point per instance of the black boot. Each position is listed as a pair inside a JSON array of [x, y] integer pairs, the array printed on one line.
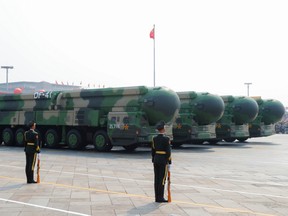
[[161, 200], [31, 178]]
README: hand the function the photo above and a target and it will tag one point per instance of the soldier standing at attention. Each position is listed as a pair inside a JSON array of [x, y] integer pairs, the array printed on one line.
[[161, 159], [31, 149]]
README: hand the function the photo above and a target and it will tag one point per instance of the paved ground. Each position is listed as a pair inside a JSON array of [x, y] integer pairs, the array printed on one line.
[[229, 179]]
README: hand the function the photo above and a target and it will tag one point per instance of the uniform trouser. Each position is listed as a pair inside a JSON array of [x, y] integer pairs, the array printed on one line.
[[30, 164], [160, 174]]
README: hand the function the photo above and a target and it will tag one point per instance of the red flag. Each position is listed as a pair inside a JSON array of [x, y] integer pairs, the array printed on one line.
[[152, 33]]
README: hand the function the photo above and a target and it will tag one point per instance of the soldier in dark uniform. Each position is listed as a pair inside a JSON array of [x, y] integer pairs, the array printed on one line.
[[161, 158], [31, 149]]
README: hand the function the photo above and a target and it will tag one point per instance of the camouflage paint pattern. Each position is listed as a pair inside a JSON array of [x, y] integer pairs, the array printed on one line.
[[77, 117], [196, 120], [239, 111], [270, 112]]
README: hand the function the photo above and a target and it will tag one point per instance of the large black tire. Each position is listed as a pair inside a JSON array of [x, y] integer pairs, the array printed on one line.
[[51, 138], [101, 141], [197, 142], [229, 139], [130, 148], [214, 141], [74, 139], [176, 145], [8, 137], [19, 137], [242, 139]]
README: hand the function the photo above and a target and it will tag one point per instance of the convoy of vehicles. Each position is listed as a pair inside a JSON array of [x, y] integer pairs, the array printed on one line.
[[126, 116]]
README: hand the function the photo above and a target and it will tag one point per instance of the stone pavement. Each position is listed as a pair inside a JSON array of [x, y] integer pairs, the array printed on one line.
[[228, 179]]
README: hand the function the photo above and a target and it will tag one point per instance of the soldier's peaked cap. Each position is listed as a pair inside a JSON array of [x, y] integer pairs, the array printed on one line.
[[160, 125], [30, 124]]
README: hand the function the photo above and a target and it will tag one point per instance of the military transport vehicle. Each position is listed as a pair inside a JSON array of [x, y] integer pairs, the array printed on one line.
[[107, 117], [270, 112], [197, 117]]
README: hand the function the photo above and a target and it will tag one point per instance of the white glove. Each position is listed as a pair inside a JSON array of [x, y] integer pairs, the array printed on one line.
[[169, 167]]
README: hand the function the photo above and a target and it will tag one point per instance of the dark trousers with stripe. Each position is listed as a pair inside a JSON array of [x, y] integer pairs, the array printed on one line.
[[30, 164], [160, 174]]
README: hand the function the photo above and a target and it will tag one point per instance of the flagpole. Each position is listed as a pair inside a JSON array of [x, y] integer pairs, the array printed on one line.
[[154, 55]]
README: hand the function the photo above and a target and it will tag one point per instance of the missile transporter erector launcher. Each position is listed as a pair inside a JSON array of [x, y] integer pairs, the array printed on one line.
[[239, 111], [270, 112], [105, 117], [197, 116]]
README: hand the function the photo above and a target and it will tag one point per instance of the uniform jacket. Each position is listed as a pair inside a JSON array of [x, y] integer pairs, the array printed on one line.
[[31, 142], [161, 150]]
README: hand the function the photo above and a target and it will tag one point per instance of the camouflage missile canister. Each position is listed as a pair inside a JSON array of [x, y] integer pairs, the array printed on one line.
[[270, 112], [106, 117], [239, 111], [197, 117]]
